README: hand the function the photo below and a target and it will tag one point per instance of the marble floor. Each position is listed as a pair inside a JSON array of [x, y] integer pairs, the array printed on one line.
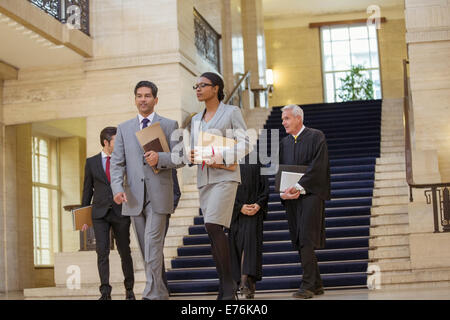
[[431, 293]]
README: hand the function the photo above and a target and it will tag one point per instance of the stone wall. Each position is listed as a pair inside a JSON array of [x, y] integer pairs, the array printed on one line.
[[294, 53]]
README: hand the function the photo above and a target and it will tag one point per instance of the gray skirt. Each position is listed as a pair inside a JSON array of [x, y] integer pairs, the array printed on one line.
[[217, 202]]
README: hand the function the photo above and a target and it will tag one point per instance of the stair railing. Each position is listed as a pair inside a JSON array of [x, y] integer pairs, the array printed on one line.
[[436, 193], [238, 89]]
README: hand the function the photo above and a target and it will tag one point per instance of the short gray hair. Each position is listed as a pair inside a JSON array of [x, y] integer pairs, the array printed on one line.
[[296, 110]]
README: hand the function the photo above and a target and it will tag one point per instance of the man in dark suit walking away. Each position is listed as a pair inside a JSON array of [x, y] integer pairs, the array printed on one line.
[[106, 214]]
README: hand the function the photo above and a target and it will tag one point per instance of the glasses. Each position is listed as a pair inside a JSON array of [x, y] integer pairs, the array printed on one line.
[[202, 85]]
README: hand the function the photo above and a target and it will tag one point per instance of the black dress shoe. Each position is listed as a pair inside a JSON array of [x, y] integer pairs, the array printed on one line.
[[130, 295], [251, 287], [303, 294], [105, 296], [319, 291]]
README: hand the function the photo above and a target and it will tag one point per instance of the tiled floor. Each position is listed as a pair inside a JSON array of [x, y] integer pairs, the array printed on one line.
[[351, 294], [354, 294]]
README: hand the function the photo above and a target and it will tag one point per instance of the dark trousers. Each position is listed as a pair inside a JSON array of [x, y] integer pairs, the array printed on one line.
[[121, 229], [311, 273]]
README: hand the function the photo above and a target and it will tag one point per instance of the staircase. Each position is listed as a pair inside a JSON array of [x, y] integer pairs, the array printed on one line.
[[353, 136], [390, 234], [389, 227], [255, 120]]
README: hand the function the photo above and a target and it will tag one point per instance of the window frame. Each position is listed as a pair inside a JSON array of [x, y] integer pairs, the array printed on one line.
[[322, 57], [54, 198]]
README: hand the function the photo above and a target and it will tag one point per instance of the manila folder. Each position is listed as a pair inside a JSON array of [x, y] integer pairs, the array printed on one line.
[[82, 216], [153, 138]]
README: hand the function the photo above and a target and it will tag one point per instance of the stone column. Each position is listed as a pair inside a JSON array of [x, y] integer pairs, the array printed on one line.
[[18, 210], [428, 40], [254, 47], [3, 284]]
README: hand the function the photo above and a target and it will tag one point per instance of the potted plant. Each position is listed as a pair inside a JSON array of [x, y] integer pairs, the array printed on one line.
[[355, 86]]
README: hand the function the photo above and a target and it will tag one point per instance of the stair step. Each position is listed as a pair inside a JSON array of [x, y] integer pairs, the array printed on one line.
[[389, 252], [391, 191], [392, 154], [189, 188], [392, 143], [416, 277], [189, 195], [389, 209], [173, 241], [391, 183], [186, 212], [180, 221], [177, 231], [391, 160], [401, 229], [393, 264], [400, 167], [390, 175], [391, 219], [390, 200], [389, 240], [393, 149], [189, 203]]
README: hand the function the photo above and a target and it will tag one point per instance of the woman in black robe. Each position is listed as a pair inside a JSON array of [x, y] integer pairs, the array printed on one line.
[[246, 229]]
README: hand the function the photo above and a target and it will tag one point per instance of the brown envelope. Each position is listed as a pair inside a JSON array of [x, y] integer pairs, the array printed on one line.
[[82, 216], [153, 138], [147, 137]]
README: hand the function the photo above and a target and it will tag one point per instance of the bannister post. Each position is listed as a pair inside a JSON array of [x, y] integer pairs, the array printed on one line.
[[435, 209]]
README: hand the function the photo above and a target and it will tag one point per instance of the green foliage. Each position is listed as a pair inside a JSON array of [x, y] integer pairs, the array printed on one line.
[[355, 86]]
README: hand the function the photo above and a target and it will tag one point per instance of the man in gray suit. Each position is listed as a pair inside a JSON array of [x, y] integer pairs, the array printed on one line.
[[146, 196]]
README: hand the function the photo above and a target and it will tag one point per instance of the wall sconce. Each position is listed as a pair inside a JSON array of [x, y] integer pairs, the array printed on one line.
[[269, 81]]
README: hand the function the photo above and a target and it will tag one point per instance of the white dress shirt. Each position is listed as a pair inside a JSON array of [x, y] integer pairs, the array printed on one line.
[[150, 118], [104, 157]]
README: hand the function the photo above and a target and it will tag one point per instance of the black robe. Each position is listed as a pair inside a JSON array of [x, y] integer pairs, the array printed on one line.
[[306, 215], [246, 232]]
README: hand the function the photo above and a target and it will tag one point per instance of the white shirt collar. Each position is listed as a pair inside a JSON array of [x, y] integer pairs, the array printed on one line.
[[104, 155], [150, 118], [301, 130]]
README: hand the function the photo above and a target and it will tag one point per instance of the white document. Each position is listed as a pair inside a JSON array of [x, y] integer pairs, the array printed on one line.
[[289, 179]]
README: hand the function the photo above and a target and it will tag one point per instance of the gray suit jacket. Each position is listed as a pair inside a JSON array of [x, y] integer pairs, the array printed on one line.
[[228, 122], [131, 174]]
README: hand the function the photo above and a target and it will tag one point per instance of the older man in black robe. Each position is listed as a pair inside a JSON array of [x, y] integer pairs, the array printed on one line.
[[305, 202]]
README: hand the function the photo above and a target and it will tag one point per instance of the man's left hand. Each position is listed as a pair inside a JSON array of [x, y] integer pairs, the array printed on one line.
[[152, 158], [290, 194]]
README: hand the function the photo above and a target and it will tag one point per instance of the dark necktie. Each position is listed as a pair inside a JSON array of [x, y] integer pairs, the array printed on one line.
[[108, 164], [145, 122]]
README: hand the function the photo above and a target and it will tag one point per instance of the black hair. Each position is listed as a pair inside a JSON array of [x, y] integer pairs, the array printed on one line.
[[216, 81], [147, 84], [107, 134]]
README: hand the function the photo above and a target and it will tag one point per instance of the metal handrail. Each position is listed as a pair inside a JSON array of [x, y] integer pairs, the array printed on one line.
[[61, 10], [441, 205], [236, 88]]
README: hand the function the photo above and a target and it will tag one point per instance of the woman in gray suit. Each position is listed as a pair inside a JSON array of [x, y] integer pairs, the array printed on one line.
[[219, 176]]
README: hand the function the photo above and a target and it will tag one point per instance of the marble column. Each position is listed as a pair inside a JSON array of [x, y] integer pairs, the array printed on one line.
[[254, 47]]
